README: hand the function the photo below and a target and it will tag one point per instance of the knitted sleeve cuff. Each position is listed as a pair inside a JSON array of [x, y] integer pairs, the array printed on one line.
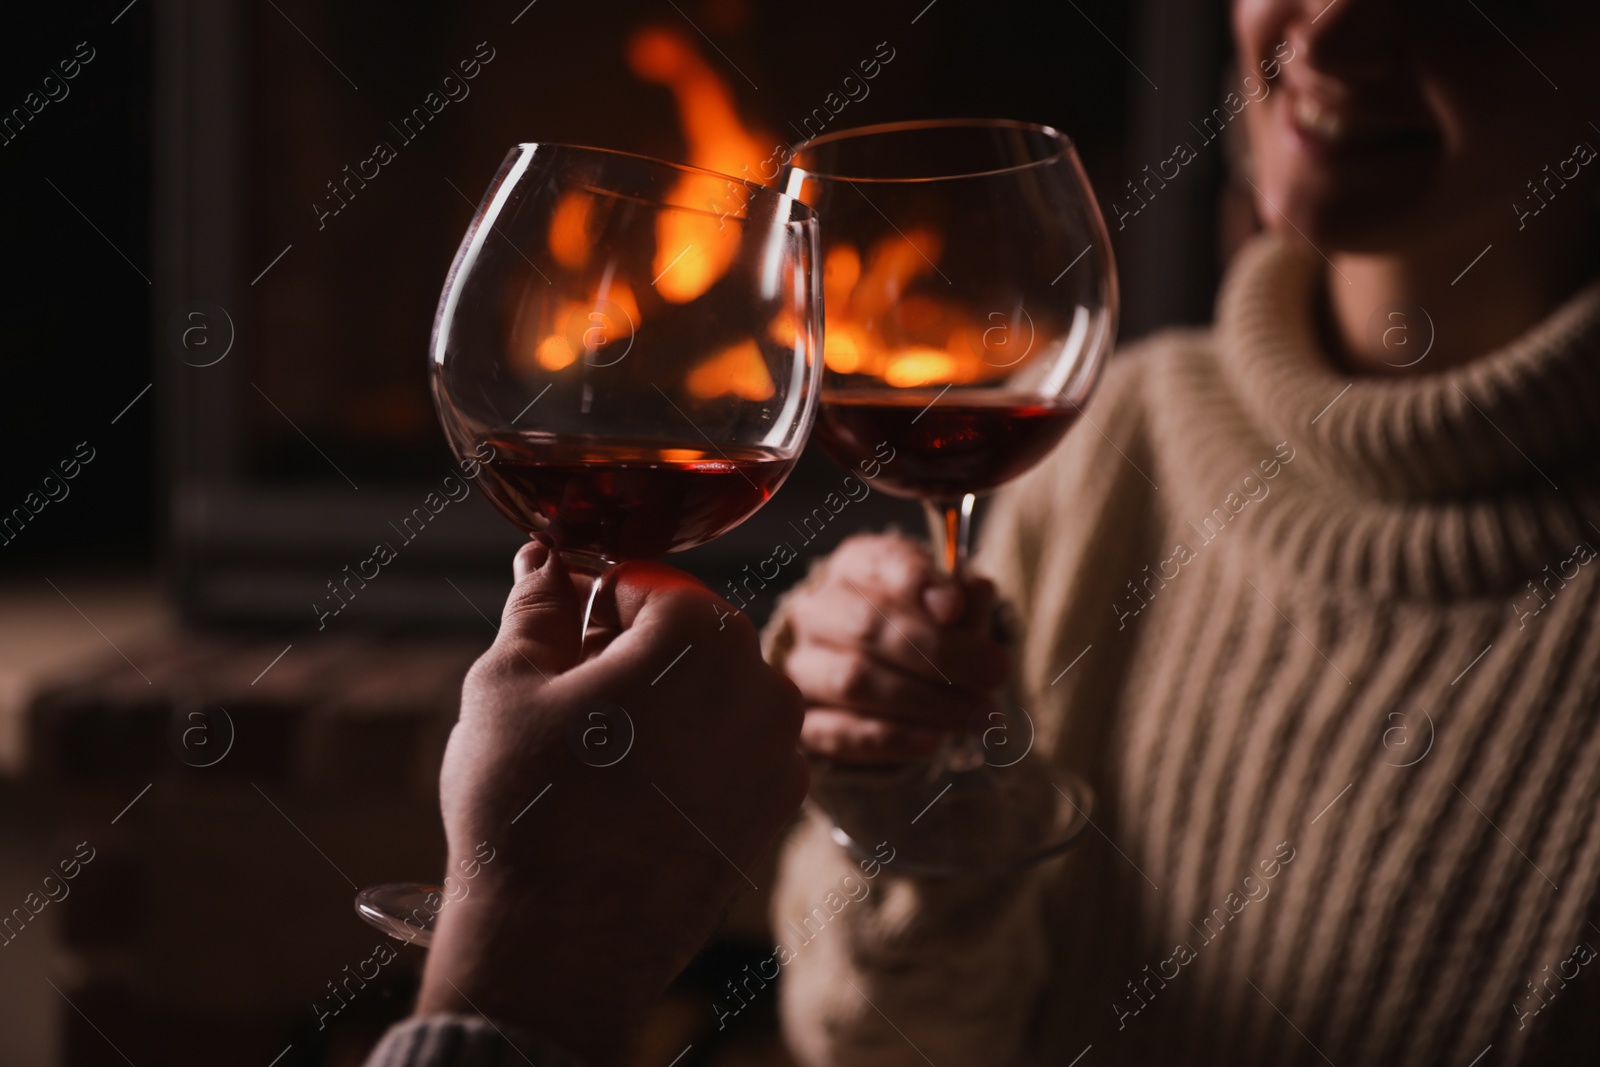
[[461, 1041]]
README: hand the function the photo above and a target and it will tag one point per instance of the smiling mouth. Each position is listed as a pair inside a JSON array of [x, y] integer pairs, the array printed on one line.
[[1313, 118], [1335, 130]]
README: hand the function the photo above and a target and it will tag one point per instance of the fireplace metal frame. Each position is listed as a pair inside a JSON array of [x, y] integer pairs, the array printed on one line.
[[237, 551]]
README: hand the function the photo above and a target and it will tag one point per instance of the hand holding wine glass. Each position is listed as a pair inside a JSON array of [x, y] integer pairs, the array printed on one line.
[[892, 655], [632, 349], [540, 939], [971, 302]]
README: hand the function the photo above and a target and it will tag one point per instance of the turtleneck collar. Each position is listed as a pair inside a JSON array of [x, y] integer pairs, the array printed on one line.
[[1519, 417], [1461, 483]]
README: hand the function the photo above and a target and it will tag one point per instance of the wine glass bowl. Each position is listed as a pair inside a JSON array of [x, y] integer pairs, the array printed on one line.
[[971, 302], [630, 348], [971, 299]]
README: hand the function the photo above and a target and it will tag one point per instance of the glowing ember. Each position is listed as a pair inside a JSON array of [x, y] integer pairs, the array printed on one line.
[[691, 254], [923, 366], [844, 346], [737, 370], [906, 339], [554, 353]]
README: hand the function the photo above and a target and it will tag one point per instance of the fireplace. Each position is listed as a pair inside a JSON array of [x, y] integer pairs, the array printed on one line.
[[317, 163]]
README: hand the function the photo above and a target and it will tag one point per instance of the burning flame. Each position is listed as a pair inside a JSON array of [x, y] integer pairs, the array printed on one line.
[[935, 342], [694, 249], [716, 139], [875, 325], [695, 246], [610, 316], [569, 230]]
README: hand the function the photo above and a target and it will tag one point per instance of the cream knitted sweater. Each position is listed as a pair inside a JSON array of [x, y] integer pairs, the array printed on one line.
[[1337, 695]]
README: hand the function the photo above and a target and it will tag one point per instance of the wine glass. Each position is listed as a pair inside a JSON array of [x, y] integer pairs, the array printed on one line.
[[971, 301], [626, 359]]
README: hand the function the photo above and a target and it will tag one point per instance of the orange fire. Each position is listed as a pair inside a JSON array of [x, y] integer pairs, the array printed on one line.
[[569, 230], [694, 247], [867, 300], [737, 370], [695, 244], [716, 138], [588, 329], [874, 325]]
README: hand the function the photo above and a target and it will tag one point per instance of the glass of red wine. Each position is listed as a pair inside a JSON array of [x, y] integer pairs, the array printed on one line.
[[627, 356], [971, 301]]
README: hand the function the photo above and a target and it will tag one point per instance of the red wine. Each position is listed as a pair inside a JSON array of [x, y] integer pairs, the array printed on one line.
[[627, 500], [944, 446]]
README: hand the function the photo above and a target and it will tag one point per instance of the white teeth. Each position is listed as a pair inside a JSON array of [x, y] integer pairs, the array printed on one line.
[[1319, 120]]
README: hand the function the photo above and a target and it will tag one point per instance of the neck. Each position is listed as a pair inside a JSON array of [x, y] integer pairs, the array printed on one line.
[[1428, 310]]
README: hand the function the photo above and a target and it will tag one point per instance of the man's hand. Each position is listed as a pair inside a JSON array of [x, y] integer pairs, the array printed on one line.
[[891, 655], [664, 765]]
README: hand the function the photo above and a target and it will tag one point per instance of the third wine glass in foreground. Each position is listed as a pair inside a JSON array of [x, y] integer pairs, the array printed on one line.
[[971, 301]]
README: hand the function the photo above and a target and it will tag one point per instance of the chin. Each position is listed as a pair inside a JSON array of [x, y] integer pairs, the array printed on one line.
[[1362, 215], [1352, 224]]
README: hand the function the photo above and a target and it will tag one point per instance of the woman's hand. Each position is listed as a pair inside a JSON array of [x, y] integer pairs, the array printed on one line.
[[623, 798], [891, 655]]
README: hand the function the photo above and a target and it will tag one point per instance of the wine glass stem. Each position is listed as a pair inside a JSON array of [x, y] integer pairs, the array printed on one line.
[[596, 570], [950, 525]]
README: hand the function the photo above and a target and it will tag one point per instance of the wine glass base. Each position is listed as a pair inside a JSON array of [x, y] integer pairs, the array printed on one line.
[[404, 910], [961, 823]]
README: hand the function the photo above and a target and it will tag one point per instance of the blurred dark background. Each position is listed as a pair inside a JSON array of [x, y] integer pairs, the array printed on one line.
[[174, 177], [77, 313]]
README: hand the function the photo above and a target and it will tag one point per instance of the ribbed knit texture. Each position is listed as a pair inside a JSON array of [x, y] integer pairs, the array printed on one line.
[[1345, 664]]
